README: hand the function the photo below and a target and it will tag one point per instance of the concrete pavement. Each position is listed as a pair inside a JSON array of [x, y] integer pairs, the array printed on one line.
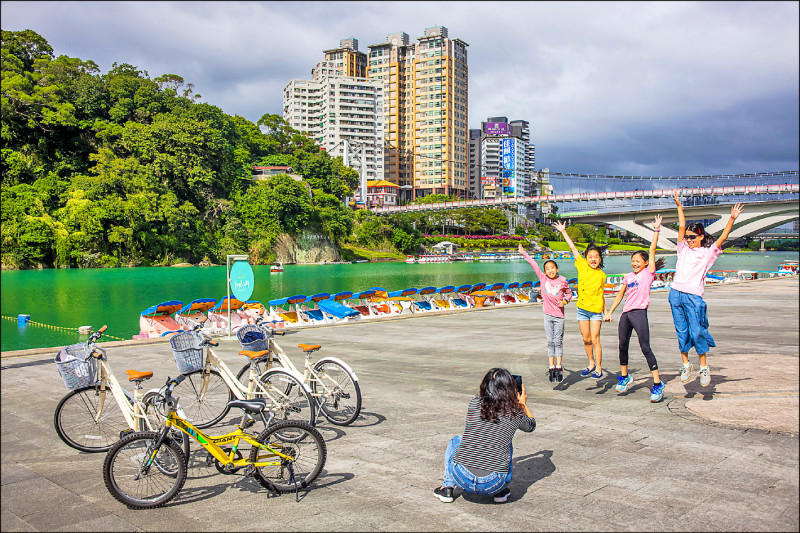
[[723, 457]]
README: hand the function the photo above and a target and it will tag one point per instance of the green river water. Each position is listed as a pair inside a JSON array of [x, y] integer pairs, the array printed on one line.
[[68, 298]]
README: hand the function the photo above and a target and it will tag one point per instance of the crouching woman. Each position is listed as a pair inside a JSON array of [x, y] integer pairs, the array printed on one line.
[[479, 462]]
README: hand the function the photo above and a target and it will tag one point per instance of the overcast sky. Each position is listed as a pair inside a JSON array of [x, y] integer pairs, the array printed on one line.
[[609, 88]]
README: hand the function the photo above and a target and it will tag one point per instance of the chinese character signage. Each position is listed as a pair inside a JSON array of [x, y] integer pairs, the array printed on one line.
[[496, 128], [509, 157]]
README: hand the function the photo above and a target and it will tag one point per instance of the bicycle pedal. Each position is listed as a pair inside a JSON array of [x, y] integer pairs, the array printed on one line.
[[125, 432]]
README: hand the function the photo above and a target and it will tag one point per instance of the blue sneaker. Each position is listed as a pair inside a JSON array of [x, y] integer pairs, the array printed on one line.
[[657, 392], [623, 382], [596, 375], [586, 371]]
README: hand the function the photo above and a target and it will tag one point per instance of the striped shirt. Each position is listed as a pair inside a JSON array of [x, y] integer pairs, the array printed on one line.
[[486, 446]]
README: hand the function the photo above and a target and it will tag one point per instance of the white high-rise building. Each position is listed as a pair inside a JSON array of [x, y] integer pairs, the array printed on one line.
[[343, 114]]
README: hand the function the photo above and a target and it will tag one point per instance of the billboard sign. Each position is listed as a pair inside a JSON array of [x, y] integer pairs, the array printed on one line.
[[509, 157], [496, 128]]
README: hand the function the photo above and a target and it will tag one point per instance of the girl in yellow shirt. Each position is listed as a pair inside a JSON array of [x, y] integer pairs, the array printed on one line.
[[591, 305]]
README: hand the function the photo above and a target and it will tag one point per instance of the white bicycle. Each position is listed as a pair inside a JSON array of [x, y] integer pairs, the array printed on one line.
[[98, 411], [209, 384], [333, 384]]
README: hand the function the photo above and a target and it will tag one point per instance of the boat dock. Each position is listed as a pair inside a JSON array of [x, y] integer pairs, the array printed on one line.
[[719, 458]]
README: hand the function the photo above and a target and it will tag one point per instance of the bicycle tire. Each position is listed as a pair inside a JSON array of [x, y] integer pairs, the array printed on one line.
[[75, 423], [292, 401], [122, 471], [344, 406], [213, 407], [298, 440], [151, 406]]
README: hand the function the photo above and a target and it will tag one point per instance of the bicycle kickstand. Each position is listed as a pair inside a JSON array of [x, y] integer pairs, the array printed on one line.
[[294, 480]]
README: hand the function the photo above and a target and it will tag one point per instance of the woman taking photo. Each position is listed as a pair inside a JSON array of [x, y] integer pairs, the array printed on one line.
[[480, 461]]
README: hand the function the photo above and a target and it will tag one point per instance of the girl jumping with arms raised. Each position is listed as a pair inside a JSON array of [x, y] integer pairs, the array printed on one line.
[[636, 290], [697, 251], [591, 305], [555, 293]]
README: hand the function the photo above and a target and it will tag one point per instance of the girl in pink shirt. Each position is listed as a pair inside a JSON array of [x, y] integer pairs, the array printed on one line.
[[697, 251], [636, 289], [555, 293]]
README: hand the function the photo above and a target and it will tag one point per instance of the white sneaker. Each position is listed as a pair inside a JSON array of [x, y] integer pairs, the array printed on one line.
[[686, 372], [705, 376]]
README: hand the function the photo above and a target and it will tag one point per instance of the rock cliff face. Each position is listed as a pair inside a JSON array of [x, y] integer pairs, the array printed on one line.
[[307, 247]]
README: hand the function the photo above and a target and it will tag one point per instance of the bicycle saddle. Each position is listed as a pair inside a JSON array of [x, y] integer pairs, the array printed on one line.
[[309, 347], [134, 375], [256, 405], [253, 355]]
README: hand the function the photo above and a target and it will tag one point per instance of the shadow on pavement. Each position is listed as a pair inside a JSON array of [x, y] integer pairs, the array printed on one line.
[[367, 419], [527, 469]]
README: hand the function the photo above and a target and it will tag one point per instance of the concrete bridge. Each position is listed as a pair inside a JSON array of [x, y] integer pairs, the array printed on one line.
[[685, 192], [756, 218]]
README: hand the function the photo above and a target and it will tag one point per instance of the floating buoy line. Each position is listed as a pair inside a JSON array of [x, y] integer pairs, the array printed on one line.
[[83, 330]]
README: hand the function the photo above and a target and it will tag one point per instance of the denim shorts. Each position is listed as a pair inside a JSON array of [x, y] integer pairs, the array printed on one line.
[[583, 314]]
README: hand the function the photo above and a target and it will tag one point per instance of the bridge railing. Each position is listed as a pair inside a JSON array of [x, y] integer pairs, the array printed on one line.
[[615, 195]]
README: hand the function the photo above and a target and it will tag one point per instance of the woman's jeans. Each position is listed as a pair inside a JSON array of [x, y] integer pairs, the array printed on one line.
[[455, 474], [690, 314]]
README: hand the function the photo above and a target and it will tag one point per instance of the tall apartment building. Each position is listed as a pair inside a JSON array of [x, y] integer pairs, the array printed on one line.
[[502, 160], [340, 112], [425, 110]]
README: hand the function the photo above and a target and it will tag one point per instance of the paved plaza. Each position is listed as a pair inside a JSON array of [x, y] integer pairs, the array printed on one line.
[[723, 457]]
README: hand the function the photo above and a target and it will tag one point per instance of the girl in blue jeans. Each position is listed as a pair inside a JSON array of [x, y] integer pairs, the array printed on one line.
[[697, 251], [480, 461]]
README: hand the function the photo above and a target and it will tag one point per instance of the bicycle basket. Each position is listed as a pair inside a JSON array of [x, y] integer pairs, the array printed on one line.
[[76, 367], [252, 338], [188, 351]]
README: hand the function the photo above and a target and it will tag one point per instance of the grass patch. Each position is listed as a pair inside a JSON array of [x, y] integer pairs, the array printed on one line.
[[352, 253]]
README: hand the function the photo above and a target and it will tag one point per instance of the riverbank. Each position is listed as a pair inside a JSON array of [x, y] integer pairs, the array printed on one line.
[[723, 457]]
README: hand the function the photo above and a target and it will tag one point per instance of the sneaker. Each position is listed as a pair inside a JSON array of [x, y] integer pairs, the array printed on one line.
[[552, 374], [686, 372], [657, 392], [623, 382], [502, 496], [586, 371], [559, 374], [705, 376], [596, 375], [445, 494]]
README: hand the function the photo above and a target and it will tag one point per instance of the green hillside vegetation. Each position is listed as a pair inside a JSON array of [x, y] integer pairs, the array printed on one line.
[[118, 168]]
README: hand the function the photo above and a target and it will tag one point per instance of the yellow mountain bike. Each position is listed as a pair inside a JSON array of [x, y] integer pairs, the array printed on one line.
[[146, 469]]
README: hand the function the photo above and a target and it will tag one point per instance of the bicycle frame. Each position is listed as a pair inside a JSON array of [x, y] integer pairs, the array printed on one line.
[[132, 413], [309, 374], [212, 444], [254, 387]]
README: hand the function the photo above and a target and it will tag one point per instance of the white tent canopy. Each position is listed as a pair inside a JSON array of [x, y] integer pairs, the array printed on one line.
[[445, 247]]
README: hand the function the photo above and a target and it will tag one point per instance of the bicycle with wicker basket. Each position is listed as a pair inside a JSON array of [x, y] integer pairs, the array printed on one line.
[[97, 411], [210, 384], [333, 384]]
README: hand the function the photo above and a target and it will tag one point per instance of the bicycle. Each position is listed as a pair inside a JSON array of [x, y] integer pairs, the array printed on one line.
[[333, 384], [286, 456], [207, 391], [84, 419]]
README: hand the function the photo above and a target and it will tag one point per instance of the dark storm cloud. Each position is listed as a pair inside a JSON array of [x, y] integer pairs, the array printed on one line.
[[663, 88]]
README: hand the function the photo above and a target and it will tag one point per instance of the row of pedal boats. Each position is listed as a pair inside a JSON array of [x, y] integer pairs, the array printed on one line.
[[167, 318]]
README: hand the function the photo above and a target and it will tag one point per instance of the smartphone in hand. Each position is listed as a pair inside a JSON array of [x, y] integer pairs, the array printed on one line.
[[518, 382]]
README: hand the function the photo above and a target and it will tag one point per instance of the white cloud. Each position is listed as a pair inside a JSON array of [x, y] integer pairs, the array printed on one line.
[[601, 83]]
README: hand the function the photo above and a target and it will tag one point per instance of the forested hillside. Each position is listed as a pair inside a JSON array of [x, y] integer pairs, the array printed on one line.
[[118, 168]]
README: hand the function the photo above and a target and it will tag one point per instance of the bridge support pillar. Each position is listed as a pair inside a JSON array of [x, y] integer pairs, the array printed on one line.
[[763, 247], [667, 238]]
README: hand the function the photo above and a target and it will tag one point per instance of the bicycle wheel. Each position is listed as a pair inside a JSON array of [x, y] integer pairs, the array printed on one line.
[[286, 396], [131, 481], [203, 407], [298, 440], [340, 395], [153, 402], [78, 425]]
